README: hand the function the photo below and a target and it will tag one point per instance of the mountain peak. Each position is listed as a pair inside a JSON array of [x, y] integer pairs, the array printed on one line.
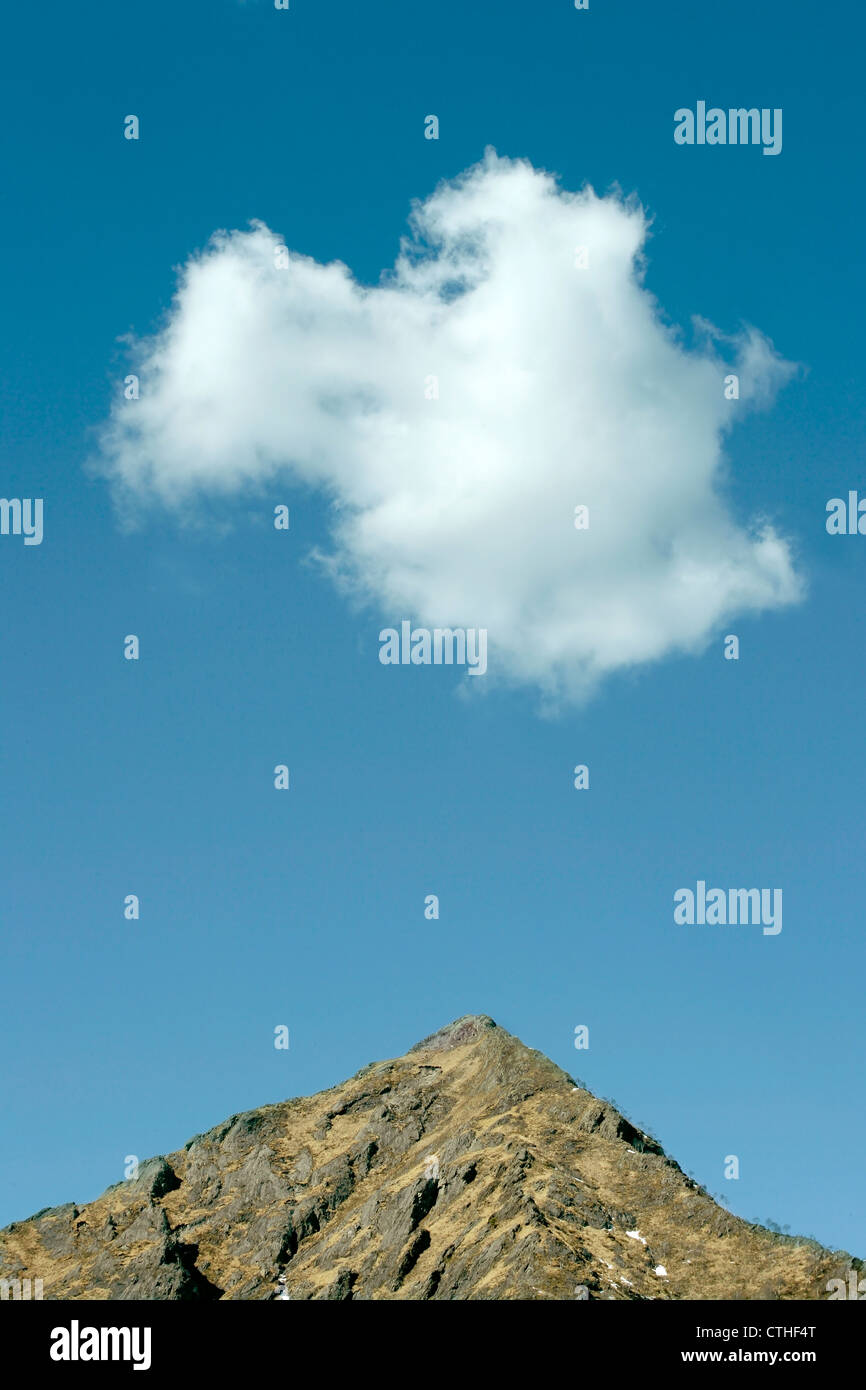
[[472, 1167], [463, 1030]]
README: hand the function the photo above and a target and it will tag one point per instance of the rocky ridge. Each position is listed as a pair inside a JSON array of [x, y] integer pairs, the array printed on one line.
[[470, 1168]]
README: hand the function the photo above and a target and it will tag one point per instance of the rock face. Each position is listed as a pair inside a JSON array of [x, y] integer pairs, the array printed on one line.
[[471, 1168]]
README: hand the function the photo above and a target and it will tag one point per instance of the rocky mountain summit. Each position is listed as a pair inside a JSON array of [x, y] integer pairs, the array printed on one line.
[[471, 1168]]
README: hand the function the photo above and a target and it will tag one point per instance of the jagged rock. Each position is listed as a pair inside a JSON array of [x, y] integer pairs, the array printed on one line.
[[471, 1168]]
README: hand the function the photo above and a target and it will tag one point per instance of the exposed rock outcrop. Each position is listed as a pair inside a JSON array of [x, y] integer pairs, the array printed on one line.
[[471, 1168]]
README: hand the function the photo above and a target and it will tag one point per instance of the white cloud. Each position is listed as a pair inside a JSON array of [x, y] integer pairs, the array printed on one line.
[[557, 386]]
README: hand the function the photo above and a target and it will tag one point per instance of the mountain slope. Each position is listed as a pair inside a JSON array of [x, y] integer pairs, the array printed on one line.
[[471, 1168]]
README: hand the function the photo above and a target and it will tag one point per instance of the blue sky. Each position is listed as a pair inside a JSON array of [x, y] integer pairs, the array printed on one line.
[[155, 777]]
